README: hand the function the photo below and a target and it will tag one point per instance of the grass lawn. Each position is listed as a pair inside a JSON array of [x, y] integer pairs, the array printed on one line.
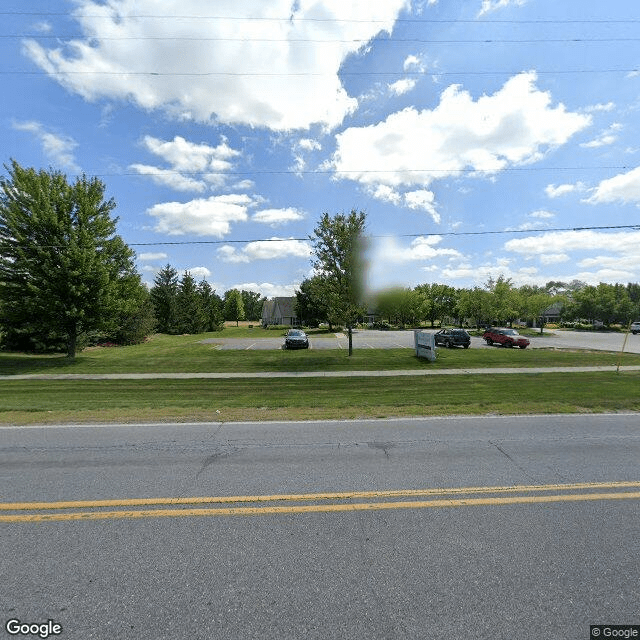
[[56, 401], [186, 354]]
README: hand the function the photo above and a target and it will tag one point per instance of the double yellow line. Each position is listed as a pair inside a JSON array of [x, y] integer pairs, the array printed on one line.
[[315, 502]]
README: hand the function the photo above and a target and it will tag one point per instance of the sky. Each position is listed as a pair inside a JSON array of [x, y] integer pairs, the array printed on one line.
[[480, 137]]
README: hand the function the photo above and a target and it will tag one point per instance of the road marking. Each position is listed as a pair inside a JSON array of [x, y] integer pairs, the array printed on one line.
[[250, 346], [318, 508], [315, 497]]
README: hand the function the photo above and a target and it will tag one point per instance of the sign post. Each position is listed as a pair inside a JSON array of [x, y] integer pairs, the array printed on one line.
[[425, 345]]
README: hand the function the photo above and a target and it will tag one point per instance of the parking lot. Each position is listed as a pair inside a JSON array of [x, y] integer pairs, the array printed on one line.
[[370, 339]]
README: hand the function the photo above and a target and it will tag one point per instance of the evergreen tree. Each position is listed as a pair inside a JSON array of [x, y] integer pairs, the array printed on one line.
[[190, 315], [163, 297], [62, 266], [212, 306]]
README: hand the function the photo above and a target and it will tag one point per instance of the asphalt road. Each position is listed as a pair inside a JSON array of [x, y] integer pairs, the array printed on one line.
[[545, 560], [369, 339]]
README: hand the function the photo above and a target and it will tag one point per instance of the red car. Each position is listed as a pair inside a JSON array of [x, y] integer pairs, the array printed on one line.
[[505, 337]]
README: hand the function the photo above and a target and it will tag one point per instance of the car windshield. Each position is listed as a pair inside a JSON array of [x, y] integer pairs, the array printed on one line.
[[510, 332], [296, 334]]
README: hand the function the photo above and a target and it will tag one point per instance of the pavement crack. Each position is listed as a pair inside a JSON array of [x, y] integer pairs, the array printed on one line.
[[513, 462], [383, 446]]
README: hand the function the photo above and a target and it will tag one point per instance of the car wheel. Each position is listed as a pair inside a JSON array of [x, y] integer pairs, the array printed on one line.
[[466, 346], [509, 345], [489, 341], [523, 346]]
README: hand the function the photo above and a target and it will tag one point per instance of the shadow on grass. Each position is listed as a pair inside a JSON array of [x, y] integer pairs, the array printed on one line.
[[21, 363]]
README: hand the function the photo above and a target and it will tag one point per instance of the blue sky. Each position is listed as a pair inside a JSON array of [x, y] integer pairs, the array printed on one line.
[[225, 129]]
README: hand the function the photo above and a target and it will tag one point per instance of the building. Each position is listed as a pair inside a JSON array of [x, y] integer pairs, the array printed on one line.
[[280, 311]]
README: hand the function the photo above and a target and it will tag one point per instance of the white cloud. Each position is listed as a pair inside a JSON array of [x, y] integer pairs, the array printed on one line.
[[273, 249], [275, 217], [389, 250], [563, 242], [422, 199], [199, 273], [309, 145], [57, 148], [514, 126], [208, 163], [607, 137], [269, 289], [554, 191], [152, 256], [250, 72], [624, 187], [542, 215], [402, 86], [608, 106], [210, 217], [414, 63], [492, 5]]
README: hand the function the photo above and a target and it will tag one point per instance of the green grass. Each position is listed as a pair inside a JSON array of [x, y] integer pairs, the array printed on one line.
[[53, 401], [186, 354]]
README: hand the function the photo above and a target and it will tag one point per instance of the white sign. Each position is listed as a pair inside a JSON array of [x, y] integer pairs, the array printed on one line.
[[425, 345]]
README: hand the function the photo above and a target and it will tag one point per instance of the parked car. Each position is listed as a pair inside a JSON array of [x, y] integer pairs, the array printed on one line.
[[452, 338], [296, 339], [635, 327], [505, 337]]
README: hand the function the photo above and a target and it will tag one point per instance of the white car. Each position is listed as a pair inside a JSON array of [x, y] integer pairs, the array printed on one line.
[[635, 327]]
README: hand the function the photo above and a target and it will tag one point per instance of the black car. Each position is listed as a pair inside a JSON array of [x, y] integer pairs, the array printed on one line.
[[452, 338], [296, 339]]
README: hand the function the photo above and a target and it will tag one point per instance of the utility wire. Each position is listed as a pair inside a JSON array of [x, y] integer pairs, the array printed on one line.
[[635, 227]]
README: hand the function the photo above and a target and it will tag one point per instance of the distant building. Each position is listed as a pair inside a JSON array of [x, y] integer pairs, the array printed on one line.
[[280, 311]]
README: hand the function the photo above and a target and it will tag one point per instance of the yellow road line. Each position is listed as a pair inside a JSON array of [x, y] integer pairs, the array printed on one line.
[[319, 508], [302, 497]]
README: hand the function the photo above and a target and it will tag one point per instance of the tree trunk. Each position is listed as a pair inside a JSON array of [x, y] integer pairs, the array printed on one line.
[[350, 340], [72, 342]]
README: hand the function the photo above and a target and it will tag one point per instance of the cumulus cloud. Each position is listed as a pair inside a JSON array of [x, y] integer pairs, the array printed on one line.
[[555, 191], [203, 217], [624, 188], [422, 199], [199, 273], [564, 242], [402, 86], [276, 217], [514, 126], [268, 289], [57, 148], [255, 72], [194, 166], [275, 248]]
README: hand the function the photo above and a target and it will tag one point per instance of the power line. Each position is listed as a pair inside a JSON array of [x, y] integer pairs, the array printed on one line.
[[323, 41], [635, 227], [309, 74]]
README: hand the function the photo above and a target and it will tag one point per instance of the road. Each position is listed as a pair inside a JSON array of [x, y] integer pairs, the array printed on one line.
[[368, 339], [468, 556]]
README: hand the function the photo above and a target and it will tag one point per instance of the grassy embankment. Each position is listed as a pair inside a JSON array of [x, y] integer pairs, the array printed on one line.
[[50, 401]]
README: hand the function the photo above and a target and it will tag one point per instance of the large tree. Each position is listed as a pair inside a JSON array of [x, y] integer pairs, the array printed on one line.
[[63, 270], [163, 297], [233, 306], [338, 244]]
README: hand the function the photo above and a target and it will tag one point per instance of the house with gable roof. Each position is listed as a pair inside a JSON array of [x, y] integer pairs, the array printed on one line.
[[280, 311]]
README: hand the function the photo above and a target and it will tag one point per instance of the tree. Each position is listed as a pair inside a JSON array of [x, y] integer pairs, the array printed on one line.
[[475, 303], [190, 314], [398, 304], [310, 306], [338, 245], [252, 302], [437, 301], [61, 263], [534, 301], [233, 306], [507, 305], [163, 298], [212, 306]]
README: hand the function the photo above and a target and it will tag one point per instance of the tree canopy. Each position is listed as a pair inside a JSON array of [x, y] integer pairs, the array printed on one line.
[[63, 270]]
